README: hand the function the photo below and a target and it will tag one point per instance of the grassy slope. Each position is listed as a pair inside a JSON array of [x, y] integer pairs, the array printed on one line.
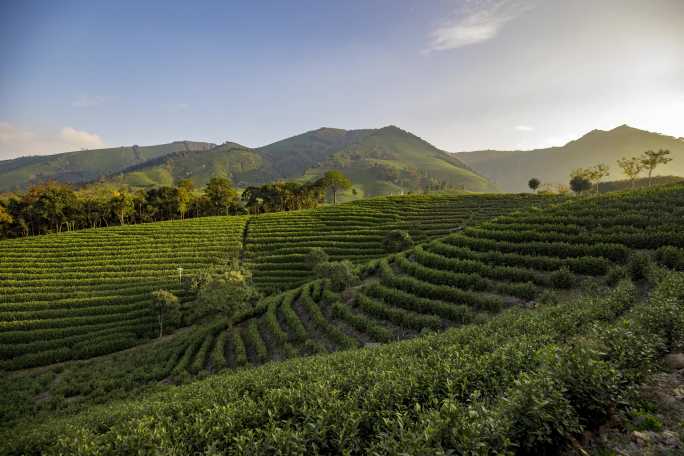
[[511, 170], [305, 157], [600, 217], [83, 166]]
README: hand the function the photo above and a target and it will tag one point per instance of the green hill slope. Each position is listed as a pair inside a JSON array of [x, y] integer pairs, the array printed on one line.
[[510, 170], [84, 166], [529, 309], [383, 161]]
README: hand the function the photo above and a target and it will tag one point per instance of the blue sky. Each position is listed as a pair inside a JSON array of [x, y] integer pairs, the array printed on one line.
[[462, 74]]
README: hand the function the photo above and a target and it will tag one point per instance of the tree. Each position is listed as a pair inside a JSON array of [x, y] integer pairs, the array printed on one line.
[[167, 307], [184, 195], [580, 184], [597, 173], [221, 195], [335, 181], [650, 160], [632, 167], [224, 290], [315, 256], [122, 205], [396, 241], [340, 273], [534, 184]]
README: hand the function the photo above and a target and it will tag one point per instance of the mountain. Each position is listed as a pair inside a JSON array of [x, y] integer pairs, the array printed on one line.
[[510, 170], [86, 165], [380, 161]]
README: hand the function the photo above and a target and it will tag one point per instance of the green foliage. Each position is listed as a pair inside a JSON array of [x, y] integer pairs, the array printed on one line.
[[223, 290], [534, 184], [315, 256], [640, 266], [341, 274], [579, 184], [223, 198], [397, 241], [562, 278], [616, 274], [167, 308], [670, 257]]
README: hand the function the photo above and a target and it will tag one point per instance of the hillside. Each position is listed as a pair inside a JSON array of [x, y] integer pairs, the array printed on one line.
[[504, 315], [510, 170], [84, 166], [87, 292], [379, 162]]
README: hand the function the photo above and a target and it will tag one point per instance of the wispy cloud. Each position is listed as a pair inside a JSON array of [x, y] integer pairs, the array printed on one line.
[[523, 128], [178, 107], [88, 101], [477, 21], [16, 141]]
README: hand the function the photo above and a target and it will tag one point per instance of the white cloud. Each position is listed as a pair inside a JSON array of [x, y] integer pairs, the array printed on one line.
[[16, 141], [178, 107], [88, 101], [479, 21], [523, 128]]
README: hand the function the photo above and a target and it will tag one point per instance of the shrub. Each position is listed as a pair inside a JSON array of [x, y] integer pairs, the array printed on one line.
[[396, 241], [340, 273], [671, 257], [315, 256], [639, 266], [615, 275], [562, 278]]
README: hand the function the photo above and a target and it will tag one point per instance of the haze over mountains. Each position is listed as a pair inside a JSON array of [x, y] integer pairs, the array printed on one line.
[[378, 161], [511, 170]]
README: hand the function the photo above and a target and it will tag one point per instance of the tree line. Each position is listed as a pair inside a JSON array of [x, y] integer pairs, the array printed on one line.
[[53, 207], [583, 179]]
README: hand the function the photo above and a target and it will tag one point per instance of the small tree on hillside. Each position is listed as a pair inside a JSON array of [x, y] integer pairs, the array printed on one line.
[[650, 160], [632, 167], [224, 290], [580, 184], [167, 308], [335, 181], [315, 256], [597, 173], [397, 240], [533, 184], [184, 195], [340, 273], [221, 195]]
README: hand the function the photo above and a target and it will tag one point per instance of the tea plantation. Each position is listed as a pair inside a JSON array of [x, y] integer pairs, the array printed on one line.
[[86, 293], [514, 324]]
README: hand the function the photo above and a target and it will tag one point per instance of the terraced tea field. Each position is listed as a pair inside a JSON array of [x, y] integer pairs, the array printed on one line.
[[277, 242], [86, 293], [498, 294]]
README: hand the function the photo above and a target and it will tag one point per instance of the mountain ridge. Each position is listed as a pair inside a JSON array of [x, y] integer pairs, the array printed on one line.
[[511, 169], [380, 161]]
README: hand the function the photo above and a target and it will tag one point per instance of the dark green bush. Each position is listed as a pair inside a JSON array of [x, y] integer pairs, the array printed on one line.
[[671, 257], [562, 278], [315, 256], [639, 266], [340, 273], [615, 275], [396, 241]]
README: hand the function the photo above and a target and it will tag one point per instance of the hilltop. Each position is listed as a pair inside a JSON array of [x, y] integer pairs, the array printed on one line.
[[85, 165], [380, 161], [510, 170]]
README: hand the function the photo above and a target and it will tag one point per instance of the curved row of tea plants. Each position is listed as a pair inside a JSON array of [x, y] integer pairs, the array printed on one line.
[[80, 294], [526, 381], [277, 242]]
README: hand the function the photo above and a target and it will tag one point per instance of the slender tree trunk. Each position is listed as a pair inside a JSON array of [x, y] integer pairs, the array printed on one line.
[[334, 190], [650, 171], [161, 324]]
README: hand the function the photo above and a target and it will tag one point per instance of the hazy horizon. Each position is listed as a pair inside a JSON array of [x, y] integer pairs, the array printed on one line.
[[463, 75]]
